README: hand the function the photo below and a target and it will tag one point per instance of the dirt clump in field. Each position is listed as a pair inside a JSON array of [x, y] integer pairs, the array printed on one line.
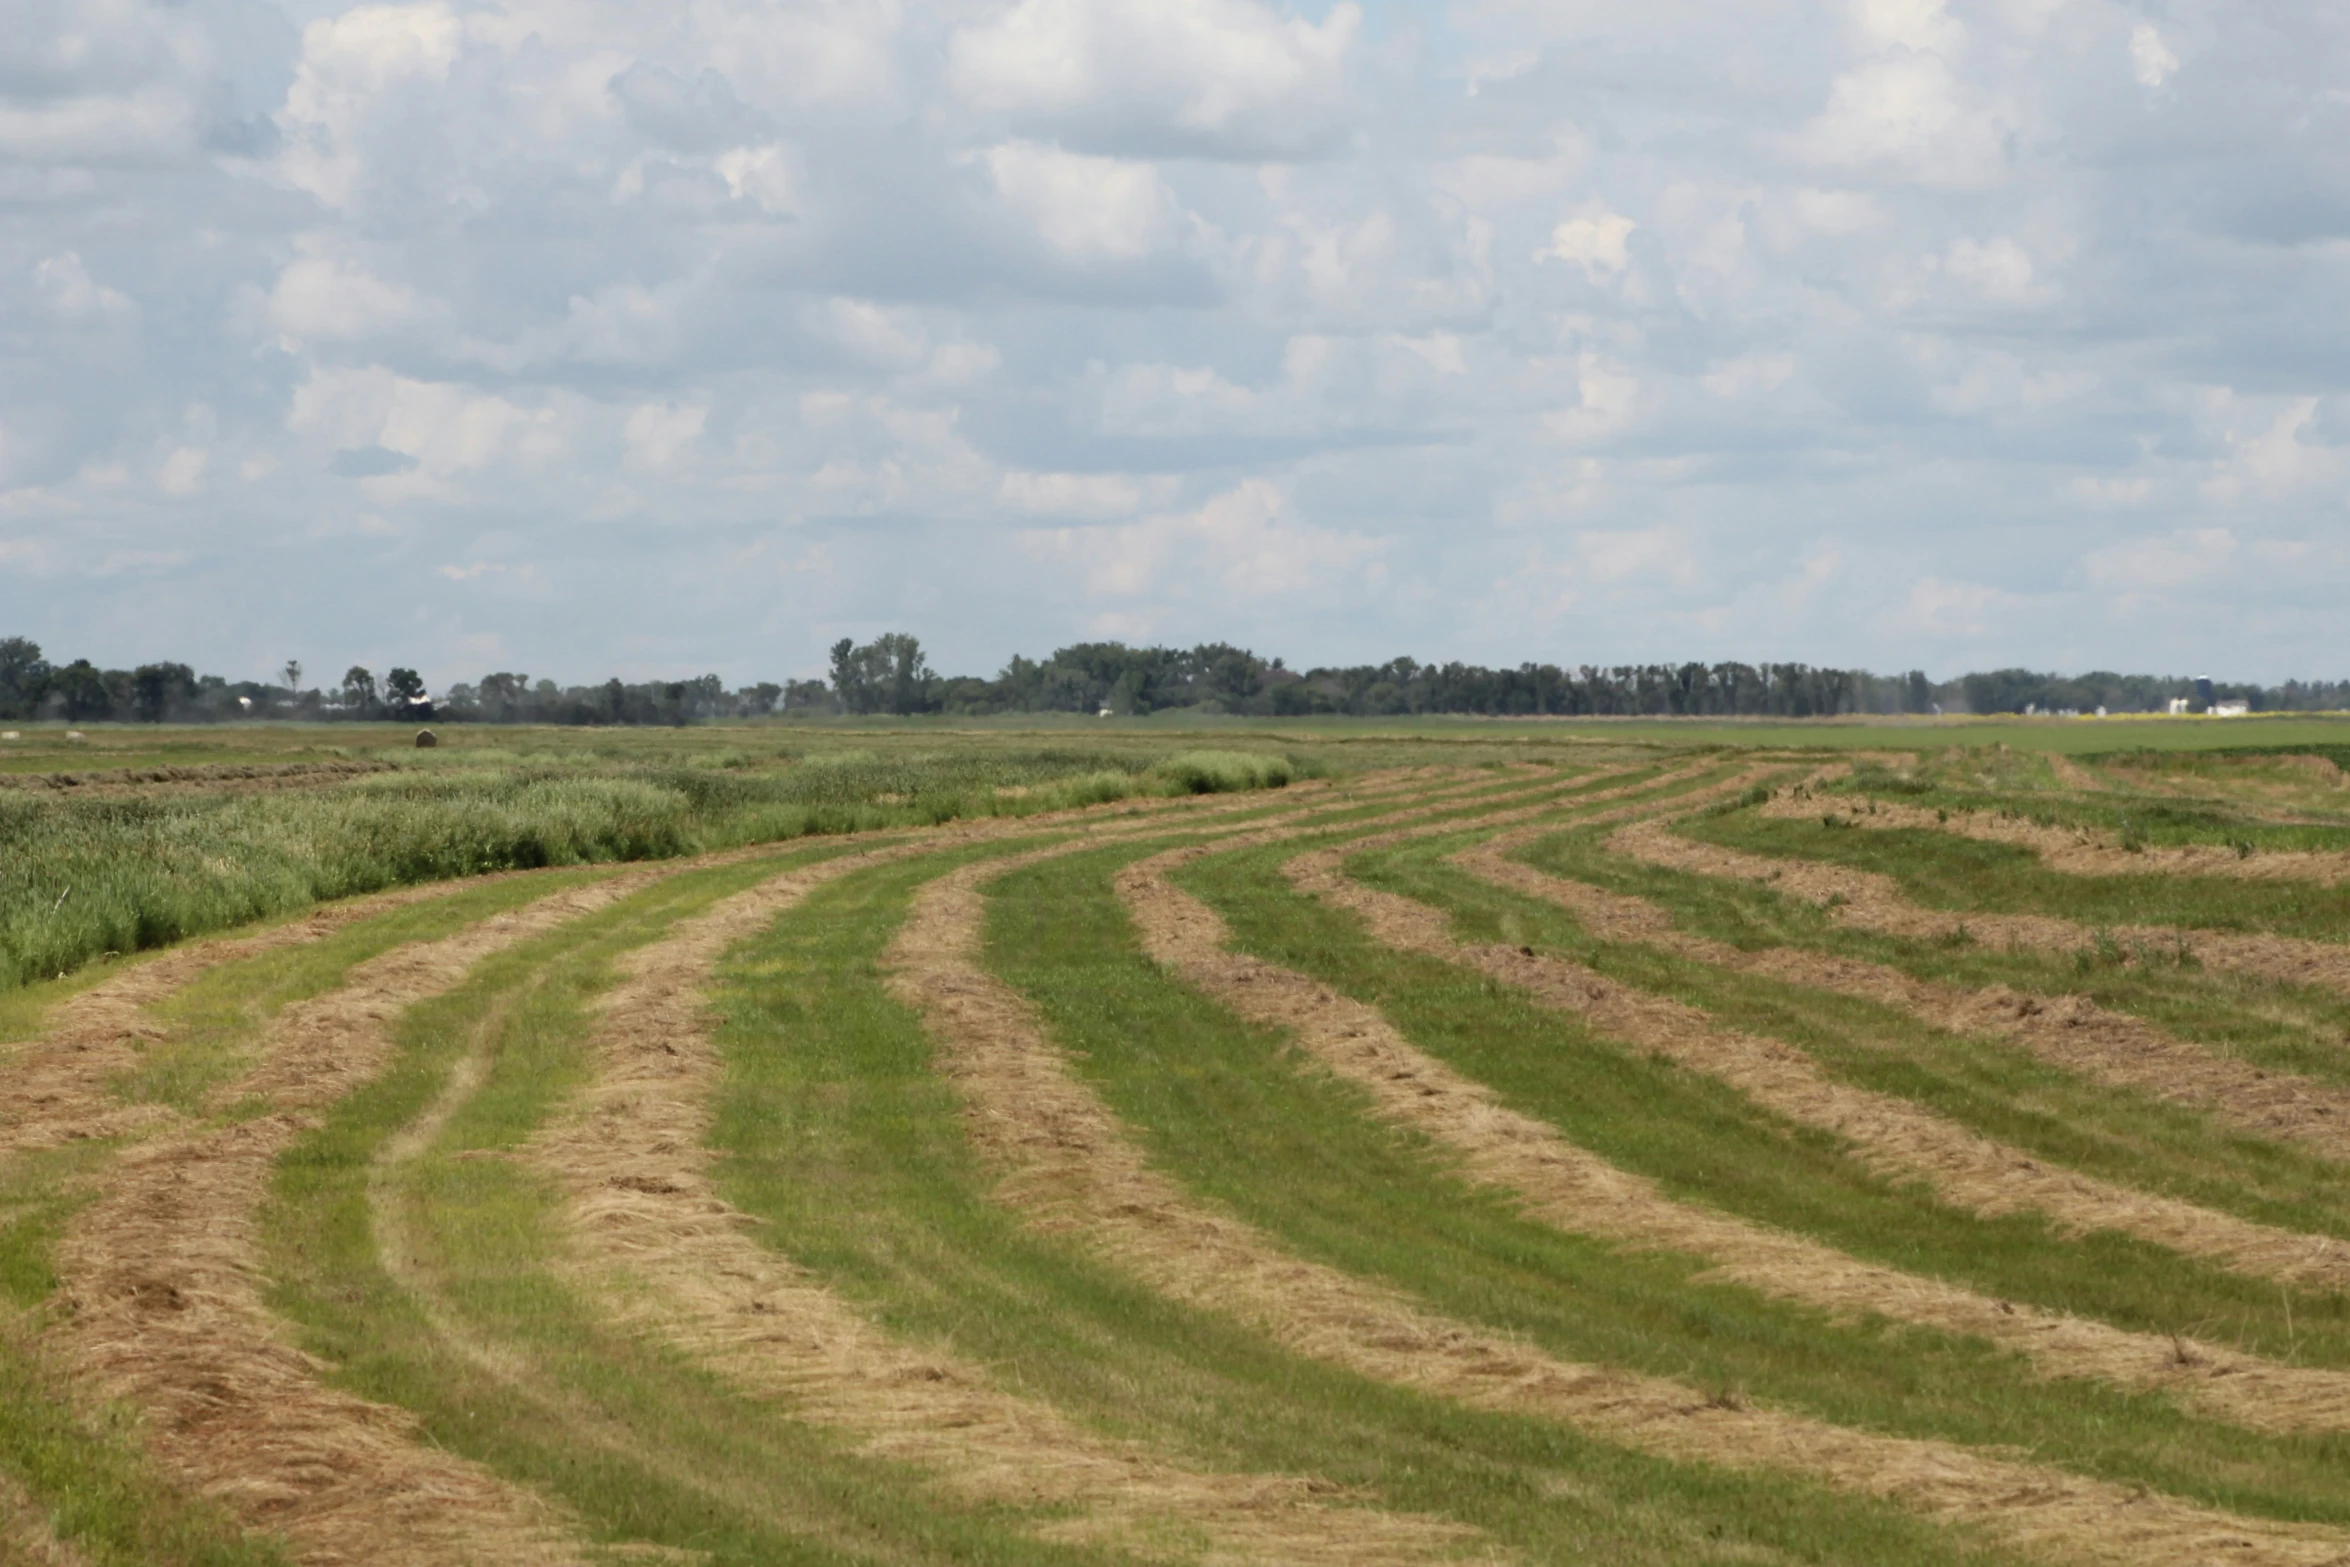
[[1066, 1163], [2070, 1032], [643, 1202]]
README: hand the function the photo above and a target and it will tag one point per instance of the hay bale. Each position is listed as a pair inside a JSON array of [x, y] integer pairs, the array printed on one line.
[[426, 739]]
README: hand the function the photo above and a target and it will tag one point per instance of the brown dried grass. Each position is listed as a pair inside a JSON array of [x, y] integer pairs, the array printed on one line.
[[2076, 851], [672, 1256], [1891, 1134], [56, 1085], [163, 1297], [1870, 901], [1576, 1190], [26, 1539], [2070, 1032], [1068, 1166]]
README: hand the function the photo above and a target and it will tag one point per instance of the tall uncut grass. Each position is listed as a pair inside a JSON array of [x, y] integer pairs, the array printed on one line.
[[84, 877]]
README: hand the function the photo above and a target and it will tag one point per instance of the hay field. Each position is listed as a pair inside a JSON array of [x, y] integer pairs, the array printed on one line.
[[1486, 1144]]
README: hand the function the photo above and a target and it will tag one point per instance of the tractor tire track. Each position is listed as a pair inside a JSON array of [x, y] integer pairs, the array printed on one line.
[[1068, 1165]]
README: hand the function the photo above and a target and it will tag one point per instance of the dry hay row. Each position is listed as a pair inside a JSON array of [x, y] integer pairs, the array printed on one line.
[[1870, 900], [56, 1083], [1892, 1134], [1069, 1167], [2074, 851], [664, 1251], [162, 1298], [1576, 1190], [2073, 1033]]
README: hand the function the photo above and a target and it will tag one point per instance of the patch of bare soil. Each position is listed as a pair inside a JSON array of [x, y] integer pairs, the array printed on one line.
[[2071, 1032], [676, 1258], [2074, 851], [1870, 901], [164, 1298], [1069, 1167], [56, 1084], [1578, 1191]]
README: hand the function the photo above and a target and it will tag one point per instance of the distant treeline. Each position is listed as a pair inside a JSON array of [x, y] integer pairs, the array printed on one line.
[[891, 674]]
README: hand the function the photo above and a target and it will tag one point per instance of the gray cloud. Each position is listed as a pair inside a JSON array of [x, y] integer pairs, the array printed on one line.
[[588, 338]]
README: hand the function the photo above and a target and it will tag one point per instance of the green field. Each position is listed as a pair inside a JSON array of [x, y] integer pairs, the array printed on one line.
[[1110, 1142]]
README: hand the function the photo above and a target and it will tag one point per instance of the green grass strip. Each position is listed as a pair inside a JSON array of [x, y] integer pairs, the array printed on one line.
[[84, 1464], [2273, 1026], [1304, 1157], [503, 1362], [1942, 870], [836, 1130], [2003, 1091]]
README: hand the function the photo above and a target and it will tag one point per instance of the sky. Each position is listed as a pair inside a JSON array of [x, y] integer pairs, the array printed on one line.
[[583, 338]]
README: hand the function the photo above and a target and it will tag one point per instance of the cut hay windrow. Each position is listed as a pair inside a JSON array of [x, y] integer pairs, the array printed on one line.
[[2073, 851], [1578, 1191], [2073, 1033], [671, 1255], [1896, 1137], [1869, 900], [1068, 1166], [55, 1084], [164, 1307], [163, 1304]]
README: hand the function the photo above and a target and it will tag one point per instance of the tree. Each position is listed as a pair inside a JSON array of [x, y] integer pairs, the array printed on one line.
[[158, 689], [293, 677], [359, 691], [81, 687], [845, 681], [404, 688], [24, 677]]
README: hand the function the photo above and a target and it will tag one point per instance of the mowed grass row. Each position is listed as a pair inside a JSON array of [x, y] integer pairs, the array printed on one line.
[[2300, 1028], [1998, 1089], [1386, 1205], [619, 1430], [835, 1132], [82, 1464], [73, 1461], [120, 873], [1945, 871]]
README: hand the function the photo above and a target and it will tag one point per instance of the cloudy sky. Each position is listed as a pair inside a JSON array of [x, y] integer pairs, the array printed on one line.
[[663, 336]]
